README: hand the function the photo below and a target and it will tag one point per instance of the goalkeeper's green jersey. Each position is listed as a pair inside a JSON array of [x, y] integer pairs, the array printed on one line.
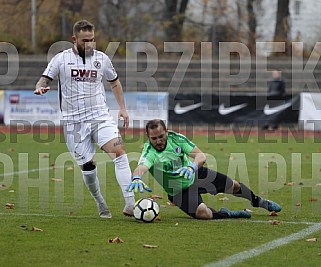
[[161, 164]]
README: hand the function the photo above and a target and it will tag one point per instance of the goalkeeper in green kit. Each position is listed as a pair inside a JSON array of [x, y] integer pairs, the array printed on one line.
[[166, 155]]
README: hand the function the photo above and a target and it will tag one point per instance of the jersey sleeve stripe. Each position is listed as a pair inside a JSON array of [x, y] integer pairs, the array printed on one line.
[[45, 76], [113, 79]]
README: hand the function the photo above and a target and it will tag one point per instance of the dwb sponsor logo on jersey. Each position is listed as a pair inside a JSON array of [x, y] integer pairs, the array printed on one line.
[[82, 75]]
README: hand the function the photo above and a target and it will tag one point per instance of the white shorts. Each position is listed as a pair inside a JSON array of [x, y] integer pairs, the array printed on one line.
[[81, 137]]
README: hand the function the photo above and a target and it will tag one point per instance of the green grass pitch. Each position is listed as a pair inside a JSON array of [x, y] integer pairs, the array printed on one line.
[[39, 177]]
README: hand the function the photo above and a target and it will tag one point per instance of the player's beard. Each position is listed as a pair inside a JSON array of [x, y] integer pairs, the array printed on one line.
[[160, 148], [85, 52]]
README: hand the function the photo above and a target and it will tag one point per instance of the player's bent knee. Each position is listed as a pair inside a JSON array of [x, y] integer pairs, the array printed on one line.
[[88, 166], [236, 186], [203, 212]]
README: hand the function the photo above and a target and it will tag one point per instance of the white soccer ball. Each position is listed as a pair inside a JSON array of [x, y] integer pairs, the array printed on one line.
[[146, 210]]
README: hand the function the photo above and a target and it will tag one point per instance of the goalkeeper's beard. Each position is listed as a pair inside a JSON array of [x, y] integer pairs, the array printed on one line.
[[160, 147]]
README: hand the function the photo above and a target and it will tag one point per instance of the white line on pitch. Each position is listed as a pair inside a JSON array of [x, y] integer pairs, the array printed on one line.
[[29, 171], [244, 255], [262, 221], [37, 170]]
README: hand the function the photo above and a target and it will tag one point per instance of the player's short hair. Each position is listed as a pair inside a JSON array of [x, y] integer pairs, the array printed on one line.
[[83, 25], [153, 124]]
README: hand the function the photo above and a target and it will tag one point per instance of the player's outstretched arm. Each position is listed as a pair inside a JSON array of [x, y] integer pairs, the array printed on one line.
[[42, 86], [188, 171]]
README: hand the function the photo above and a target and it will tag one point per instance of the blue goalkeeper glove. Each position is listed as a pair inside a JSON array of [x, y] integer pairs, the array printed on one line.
[[186, 172], [138, 184]]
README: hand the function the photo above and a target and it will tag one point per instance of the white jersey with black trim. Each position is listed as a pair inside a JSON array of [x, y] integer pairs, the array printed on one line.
[[81, 90]]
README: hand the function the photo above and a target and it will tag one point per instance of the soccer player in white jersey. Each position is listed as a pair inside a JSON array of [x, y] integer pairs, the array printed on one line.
[[80, 71]]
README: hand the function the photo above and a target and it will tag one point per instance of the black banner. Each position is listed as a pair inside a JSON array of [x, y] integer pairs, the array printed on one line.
[[233, 108]]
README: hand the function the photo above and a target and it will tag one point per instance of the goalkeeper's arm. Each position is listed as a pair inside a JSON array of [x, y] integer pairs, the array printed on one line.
[[198, 157], [140, 170], [137, 183]]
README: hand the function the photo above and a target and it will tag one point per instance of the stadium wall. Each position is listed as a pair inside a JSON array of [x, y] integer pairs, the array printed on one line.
[[248, 109]]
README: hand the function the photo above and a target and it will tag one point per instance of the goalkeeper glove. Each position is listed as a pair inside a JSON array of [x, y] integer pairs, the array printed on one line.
[[138, 184], [186, 172]]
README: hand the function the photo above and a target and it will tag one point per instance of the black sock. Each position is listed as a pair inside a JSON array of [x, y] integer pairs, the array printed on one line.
[[219, 215], [247, 193]]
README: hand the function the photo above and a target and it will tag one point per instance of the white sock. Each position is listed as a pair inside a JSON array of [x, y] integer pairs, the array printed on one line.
[[92, 183], [123, 176], [130, 201]]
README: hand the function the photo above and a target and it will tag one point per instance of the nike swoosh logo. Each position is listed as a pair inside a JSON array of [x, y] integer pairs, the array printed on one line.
[[269, 111], [178, 109], [227, 110]]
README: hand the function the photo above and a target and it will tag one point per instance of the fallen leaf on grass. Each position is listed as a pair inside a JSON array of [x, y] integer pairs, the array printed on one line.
[[25, 227], [298, 204], [154, 197], [2, 185], [149, 246], [312, 199], [9, 206], [11, 149], [56, 179], [274, 222], [36, 229], [117, 239], [291, 183], [273, 213], [170, 203], [53, 165], [158, 218], [314, 239]]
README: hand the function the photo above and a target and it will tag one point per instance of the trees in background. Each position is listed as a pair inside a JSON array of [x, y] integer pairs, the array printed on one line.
[[282, 21], [139, 20], [282, 25], [251, 43], [174, 17]]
